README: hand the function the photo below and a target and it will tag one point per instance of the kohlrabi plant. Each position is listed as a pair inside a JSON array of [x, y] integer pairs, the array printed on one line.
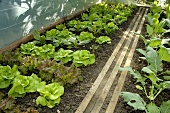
[[152, 72], [49, 94], [103, 39], [83, 57]]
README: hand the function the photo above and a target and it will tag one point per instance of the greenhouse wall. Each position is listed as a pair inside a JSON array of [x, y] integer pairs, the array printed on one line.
[[18, 18]]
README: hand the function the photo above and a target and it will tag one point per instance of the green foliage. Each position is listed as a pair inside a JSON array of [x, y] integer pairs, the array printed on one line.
[[138, 103], [134, 100], [60, 27], [152, 108], [151, 73], [83, 57], [24, 84], [98, 26], [63, 55], [103, 39], [40, 39], [119, 19], [44, 52], [85, 37], [110, 28], [50, 94], [7, 74], [27, 48]]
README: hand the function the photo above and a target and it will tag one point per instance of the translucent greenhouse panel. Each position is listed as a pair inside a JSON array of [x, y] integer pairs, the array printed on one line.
[[71, 6], [18, 18]]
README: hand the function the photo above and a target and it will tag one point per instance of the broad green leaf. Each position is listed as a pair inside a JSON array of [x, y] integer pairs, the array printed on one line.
[[155, 42], [37, 35], [153, 78], [152, 108], [166, 77], [165, 107], [153, 60], [164, 54], [167, 72], [142, 52], [149, 20], [149, 30], [134, 100], [41, 100], [147, 70], [164, 85]]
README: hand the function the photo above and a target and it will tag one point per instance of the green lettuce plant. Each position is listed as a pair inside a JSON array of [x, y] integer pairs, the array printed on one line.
[[49, 94], [7, 74], [63, 55], [24, 84], [27, 48], [110, 28], [103, 39], [60, 27], [85, 37], [83, 57], [44, 52]]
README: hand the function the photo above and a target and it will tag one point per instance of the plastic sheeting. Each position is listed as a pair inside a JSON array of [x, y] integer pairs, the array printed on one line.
[[21, 17]]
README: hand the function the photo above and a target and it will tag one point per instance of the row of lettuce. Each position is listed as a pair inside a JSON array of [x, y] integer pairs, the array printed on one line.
[[40, 65], [153, 78]]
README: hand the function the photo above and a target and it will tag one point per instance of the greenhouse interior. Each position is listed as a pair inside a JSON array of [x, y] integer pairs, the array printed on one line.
[[84, 56]]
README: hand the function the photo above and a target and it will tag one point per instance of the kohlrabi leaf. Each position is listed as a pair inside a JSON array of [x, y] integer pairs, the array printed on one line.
[[135, 74], [134, 100], [152, 108], [142, 52], [164, 85], [153, 78], [149, 20], [153, 60], [149, 30], [165, 107], [164, 53], [155, 42]]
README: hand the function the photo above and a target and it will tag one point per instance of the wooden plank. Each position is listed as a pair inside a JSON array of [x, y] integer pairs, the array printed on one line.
[[96, 84], [114, 72], [115, 96]]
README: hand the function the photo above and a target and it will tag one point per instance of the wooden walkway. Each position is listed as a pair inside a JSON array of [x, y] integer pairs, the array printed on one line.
[[108, 85]]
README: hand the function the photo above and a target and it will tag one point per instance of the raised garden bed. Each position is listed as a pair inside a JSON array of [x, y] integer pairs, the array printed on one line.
[[30, 58]]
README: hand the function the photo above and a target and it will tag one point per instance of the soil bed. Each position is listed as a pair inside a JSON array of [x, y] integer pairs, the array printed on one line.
[[74, 95]]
